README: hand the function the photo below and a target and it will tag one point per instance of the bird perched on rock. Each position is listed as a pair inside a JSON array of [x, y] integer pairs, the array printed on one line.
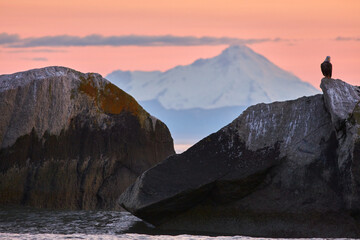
[[326, 67]]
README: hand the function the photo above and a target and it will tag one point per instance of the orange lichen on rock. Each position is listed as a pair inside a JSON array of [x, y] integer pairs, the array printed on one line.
[[87, 86], [114, 100], [111, 99]]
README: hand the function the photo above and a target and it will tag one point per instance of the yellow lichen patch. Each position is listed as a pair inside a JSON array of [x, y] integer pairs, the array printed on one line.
[[114, 100], [111, 99], [356, 113], [356, 117], [87, 86]]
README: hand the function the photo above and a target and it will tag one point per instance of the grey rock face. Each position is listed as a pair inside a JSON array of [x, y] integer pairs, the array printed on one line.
[[340, 99], [343, 102], [273, 172], [72, 140]]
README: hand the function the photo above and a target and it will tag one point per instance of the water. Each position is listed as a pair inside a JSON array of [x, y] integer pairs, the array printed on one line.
[[30, 223], [29, 220]]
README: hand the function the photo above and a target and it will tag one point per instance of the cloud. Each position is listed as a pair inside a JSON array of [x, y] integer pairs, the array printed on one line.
[[347, 38], [131, 40], [40, 59], [37, 51], [6, 38], [47, 51]]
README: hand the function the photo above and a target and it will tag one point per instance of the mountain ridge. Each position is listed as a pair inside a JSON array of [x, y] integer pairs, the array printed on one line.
[[236, 77], [197, 99]]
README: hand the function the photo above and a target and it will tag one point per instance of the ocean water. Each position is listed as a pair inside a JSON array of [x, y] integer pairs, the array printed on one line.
[[30, 223]]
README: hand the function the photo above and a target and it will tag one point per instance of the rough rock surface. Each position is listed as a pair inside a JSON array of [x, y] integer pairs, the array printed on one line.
[[343, 102], [278, 170], [73, 140]]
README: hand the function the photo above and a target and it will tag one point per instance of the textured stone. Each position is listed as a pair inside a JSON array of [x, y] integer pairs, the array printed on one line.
[[273, 172], [72, 140], [343, 102]]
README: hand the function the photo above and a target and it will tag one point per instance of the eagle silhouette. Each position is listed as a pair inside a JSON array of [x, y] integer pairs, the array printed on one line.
[[326, 67]]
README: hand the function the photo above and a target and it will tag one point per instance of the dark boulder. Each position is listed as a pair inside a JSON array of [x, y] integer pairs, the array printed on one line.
[[73, 140], [275, 171]]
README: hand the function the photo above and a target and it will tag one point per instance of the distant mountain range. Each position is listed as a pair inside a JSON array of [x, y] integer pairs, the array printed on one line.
[[200, 98]]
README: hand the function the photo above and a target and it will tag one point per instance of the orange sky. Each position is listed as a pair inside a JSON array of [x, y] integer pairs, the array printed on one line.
[[307, 29]]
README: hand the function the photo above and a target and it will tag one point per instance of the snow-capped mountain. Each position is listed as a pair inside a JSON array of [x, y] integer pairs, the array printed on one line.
[[237, 77], [198, 99]]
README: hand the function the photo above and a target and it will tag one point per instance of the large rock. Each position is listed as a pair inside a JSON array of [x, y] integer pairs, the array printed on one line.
[[275, 171], [343, 102], [72, 140]]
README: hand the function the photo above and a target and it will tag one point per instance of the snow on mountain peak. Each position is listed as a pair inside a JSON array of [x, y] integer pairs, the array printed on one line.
[[235, 51], [237, 77]]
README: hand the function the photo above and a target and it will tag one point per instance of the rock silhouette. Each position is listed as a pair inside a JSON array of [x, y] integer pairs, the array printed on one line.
[[72, 140], [284, 169]]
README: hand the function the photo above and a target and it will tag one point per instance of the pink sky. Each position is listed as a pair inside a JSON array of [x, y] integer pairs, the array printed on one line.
[[307, 32]]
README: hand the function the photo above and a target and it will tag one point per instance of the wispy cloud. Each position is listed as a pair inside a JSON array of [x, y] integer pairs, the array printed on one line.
[[40, 59], [347, 38], [37, 51], [6, 38], [47, 51], [126, 40]]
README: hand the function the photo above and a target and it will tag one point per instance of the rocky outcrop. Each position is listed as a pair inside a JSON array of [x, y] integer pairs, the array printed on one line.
[[343, 103], [285, 169], [73, 140]]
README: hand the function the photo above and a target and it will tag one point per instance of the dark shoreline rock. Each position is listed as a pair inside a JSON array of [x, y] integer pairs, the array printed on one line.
[[343, 103], [73, 140], [275, 171]]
